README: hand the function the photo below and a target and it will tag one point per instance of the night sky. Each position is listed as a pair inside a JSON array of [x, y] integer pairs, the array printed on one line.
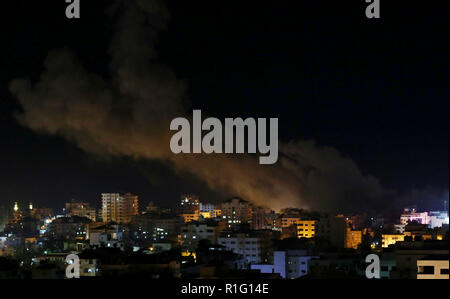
[[375, 90]]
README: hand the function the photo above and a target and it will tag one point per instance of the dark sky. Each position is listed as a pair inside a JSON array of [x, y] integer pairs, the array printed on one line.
[[376, 90]]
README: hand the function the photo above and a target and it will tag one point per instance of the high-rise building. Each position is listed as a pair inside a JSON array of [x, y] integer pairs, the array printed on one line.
[[118, 207]]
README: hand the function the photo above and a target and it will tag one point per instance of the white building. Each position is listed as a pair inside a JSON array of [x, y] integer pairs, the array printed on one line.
[[194, 231], [289, 264], [207, 207], [438, 218], [247, 246], [106, 236], [399, 228]]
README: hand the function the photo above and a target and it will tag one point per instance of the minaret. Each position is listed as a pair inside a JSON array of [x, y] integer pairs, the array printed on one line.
[[17, 215]]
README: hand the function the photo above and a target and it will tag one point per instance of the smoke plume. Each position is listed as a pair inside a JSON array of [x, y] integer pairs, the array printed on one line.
[[129, 115]]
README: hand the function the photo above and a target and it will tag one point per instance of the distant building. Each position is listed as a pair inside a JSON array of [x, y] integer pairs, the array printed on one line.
[[106, 235], [69, 228], [353, 238], [207, 207], [338, 231], [410, 215], [193, 232], [286, 221], [244, 244], [290, 264], [236, 211], [415, 258], [390, 239], [189, 204], [306, 228], [192, 216], [81, 209], [157, 227], [118, 207], [438, 218], [209, 210]]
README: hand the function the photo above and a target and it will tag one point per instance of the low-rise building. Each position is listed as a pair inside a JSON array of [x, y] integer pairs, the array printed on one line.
[[289, 264], [244, 244]]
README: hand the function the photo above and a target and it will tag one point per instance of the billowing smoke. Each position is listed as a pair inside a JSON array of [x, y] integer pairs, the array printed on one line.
[[129, 115]]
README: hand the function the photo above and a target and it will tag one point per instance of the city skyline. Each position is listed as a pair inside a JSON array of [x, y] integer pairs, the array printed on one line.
[[223, 147]]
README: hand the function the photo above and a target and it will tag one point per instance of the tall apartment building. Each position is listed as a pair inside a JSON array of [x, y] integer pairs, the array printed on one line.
[[118, 207]]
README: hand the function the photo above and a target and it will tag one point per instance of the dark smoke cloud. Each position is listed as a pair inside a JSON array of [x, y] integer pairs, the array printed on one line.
[[129, 115]]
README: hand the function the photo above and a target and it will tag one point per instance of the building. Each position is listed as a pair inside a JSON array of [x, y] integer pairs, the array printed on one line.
[[69, 228], [420, 258], [189, 204], [390, 239], [236, 211], [193, 232], [399, 228], [286, 221], [119, 208], [410, 215], [207, 207], [244, 244], [192, 216], [106, 235], [290, 264], [152, 227], [306, 228], [81, 209], [438, 218], [353, 238], [5, 215]]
